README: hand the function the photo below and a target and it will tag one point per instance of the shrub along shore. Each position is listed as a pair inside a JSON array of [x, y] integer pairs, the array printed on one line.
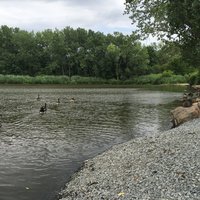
[[154, 79]]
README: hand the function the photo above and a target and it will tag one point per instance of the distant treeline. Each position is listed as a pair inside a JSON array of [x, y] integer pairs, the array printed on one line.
[[85, 53]]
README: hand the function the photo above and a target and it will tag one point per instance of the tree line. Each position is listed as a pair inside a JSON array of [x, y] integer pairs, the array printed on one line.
[[83, 52]]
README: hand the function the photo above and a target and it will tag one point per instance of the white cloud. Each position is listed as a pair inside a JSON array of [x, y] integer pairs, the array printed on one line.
[[98, 15]]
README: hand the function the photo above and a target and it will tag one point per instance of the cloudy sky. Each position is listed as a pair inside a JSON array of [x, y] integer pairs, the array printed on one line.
[[99, 15]]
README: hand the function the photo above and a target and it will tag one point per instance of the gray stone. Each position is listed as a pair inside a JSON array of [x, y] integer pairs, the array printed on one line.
[[164, 166]]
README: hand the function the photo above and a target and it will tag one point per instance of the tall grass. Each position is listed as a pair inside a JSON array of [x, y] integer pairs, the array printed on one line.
[[17, 79], [87, 80], [74, 80], [154, 79], [157, 79]]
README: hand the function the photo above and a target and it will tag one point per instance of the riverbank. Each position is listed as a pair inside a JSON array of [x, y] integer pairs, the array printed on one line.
[[152, 79], [163, 87], [162, 166]]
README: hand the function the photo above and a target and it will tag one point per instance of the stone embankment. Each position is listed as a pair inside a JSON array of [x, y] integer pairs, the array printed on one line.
[[164, 166]]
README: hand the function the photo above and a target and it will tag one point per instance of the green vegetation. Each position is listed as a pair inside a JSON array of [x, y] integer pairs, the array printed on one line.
[[153, 79], [157, 79], [74, 80], [176, 21], [79, 56], [70, 52]]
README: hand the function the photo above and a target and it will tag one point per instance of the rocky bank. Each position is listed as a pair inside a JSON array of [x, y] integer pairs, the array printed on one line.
[[164, 166]]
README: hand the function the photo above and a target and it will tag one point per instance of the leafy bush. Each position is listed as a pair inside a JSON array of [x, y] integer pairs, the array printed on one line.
[[148, 79], [193, 78], [173, 79], [17, 79], [155, 79], [167, 73]]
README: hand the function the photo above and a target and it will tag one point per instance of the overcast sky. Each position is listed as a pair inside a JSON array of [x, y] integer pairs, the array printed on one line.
[[99, 15]]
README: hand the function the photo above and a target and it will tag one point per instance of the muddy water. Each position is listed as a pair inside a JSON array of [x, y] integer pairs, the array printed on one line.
[[39, 152]]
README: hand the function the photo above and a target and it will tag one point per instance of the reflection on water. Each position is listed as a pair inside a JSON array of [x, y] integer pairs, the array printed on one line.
[[39, 152]]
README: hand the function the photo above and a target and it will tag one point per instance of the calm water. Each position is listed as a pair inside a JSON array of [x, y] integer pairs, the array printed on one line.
[[38, 153]]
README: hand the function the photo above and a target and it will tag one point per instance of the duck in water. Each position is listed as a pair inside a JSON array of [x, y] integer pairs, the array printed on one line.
[[43, 109], [58, 101], [72, 99]]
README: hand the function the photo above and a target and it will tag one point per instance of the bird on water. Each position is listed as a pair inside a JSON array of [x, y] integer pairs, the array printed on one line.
[[43, 109], [72, 99]]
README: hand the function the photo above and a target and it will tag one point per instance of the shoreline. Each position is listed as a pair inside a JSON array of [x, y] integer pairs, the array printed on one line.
[[161, 166], [162, 87]]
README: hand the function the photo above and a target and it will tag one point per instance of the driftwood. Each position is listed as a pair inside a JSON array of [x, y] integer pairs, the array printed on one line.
[[182, 114], [190, 108]]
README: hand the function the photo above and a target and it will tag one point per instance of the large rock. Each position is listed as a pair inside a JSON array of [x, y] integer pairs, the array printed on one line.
[[183, 114]]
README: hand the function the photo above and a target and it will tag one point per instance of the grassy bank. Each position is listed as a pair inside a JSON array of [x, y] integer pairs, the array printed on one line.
[[154, 79], [74, 80], [150, 82], [157, 79]]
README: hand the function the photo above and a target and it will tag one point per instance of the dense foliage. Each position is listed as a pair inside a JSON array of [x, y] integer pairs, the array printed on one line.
[[70, 52], [176, 20], [78, 52]]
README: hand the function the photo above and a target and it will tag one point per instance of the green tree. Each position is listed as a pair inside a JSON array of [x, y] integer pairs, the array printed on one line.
[[114, 53], [178, 20], [44, 52], [153, 56], [6, 49], [26, 57]]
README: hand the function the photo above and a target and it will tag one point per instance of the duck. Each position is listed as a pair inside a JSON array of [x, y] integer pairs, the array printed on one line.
[[43, 109], [72, 99]]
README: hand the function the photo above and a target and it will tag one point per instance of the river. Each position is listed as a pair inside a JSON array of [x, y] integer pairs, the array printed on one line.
[[39, 152]]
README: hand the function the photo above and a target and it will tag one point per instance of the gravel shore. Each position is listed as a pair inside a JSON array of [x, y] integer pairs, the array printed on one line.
[[165, 166]]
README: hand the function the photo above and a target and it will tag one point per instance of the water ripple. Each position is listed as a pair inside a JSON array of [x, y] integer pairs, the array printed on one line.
[[40, 151]]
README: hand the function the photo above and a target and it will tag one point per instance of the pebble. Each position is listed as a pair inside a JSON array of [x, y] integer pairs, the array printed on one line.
[[163, 166]]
